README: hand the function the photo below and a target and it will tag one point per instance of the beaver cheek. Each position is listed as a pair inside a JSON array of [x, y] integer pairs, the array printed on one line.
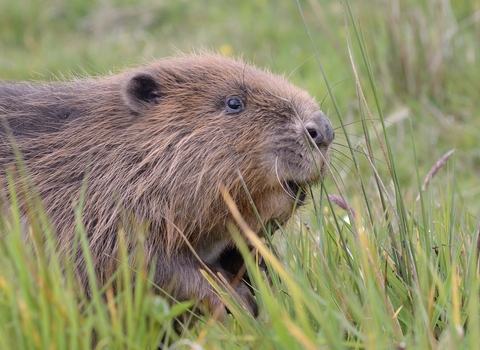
[[276, 207]]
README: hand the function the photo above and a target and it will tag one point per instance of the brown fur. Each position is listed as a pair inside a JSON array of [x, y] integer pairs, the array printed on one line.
[[155, 145]]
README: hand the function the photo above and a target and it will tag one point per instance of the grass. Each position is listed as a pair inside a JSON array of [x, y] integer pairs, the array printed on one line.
[[399, 80]]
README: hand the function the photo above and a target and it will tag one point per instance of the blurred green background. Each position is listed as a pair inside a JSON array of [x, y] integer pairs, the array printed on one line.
[[424, 56]]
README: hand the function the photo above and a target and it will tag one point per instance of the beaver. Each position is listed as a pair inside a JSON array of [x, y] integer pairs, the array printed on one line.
[[153, 148]]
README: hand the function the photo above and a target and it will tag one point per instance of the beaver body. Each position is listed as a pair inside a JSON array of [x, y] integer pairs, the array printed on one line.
[[153, 147]]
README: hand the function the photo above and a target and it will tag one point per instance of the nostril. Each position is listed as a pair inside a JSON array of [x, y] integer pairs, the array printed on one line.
[[322, 133], [320, 130], [314, 134]]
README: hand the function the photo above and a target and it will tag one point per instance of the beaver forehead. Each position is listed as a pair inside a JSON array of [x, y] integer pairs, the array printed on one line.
[[212, 75]]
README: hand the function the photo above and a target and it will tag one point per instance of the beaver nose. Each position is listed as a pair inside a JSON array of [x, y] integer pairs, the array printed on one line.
[[320, 130]]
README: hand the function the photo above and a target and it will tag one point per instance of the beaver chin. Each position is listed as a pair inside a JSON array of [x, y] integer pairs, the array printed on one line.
[[298, 189], [301, 175]]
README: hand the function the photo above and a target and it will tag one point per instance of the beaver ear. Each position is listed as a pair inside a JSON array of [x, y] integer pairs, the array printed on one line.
[[142, 91]]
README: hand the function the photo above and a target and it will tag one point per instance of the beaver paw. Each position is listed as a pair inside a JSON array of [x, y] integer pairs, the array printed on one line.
[[246, 298], [239, 291]]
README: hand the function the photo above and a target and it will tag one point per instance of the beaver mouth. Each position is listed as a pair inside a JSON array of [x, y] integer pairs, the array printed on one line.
[[297, 191]]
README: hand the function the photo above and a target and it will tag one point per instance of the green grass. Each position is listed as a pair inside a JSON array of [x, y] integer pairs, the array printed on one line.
[[393, 273]]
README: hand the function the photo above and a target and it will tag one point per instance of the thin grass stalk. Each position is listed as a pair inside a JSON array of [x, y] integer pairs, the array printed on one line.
[[409, 273], [300, 294], [332, 95], [473, 303], [425, 237], [361, 102]]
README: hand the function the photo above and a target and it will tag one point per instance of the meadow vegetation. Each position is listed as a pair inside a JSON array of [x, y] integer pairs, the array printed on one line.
[[379, 259]]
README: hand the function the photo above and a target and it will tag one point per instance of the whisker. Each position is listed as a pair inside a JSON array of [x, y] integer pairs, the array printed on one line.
[[342, 163], [293, 195], [331, 89], [360, 120], [360, 136], [340, 179], [294, 71], [356, 150], [287, 192], [353, 184], [336, 151]]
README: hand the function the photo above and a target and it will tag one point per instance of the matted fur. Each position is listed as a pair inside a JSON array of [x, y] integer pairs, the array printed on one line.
[[155, 145]]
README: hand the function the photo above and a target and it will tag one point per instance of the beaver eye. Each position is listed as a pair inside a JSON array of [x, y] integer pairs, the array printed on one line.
[[234, 105]]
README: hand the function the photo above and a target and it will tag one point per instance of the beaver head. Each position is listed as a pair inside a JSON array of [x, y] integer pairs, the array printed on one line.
[[209, 121]]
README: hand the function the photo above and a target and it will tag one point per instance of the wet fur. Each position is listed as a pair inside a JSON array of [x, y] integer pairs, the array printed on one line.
[[155, 145]]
